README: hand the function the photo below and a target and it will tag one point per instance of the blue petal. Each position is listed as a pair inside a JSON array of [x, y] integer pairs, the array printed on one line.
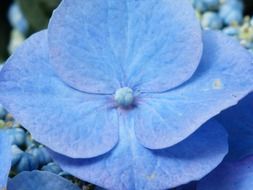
[[238, 121], [66, 120], [223, 77], [130, 166], [5, 158], [236, 175], [97, 46], [37, 180]]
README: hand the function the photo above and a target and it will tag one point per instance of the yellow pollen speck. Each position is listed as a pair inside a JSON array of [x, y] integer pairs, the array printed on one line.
[[151, 177], [217, 84]]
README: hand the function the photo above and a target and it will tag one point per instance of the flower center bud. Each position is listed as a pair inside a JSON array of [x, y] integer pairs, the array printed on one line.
[[124, 97]]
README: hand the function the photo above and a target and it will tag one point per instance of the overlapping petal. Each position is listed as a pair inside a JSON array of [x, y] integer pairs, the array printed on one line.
[[238, 120], [236, 175], [5, 161], [189, 186], [97, 46], [130, 166], [66, 120], [37, 180], [222, 79]]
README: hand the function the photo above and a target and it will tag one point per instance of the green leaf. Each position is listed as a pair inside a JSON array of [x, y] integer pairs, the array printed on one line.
[[38, 12]]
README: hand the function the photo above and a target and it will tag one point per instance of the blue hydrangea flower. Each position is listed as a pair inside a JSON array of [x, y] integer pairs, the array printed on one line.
[[37, 180], [238, 121], [230, 175], [5, 161], [122, 91], [236, 171]]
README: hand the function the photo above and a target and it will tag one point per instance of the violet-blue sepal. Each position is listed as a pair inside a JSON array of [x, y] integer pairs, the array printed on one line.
[[5, 155], [223, 77], [75, 118], [40, 180], [130, 166], [238, 121], [230, 175], [110, 44]]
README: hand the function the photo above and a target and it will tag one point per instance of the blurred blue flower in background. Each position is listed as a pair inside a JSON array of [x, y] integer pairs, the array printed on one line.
[[122, 91], [17, 19], [211, 20], [204, 5]]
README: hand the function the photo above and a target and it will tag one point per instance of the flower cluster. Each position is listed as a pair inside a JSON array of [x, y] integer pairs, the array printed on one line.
[[228, 16], [127, 94], [218, 13]]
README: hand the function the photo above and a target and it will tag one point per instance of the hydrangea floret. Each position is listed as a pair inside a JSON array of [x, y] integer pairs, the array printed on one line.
[[122, 91]]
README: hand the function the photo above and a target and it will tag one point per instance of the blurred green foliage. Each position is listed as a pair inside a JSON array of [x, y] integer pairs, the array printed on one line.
[[5, 29], [37, 12]]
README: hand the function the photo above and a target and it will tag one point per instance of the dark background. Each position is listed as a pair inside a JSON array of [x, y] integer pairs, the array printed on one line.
[[36, 12], [248, 7]]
